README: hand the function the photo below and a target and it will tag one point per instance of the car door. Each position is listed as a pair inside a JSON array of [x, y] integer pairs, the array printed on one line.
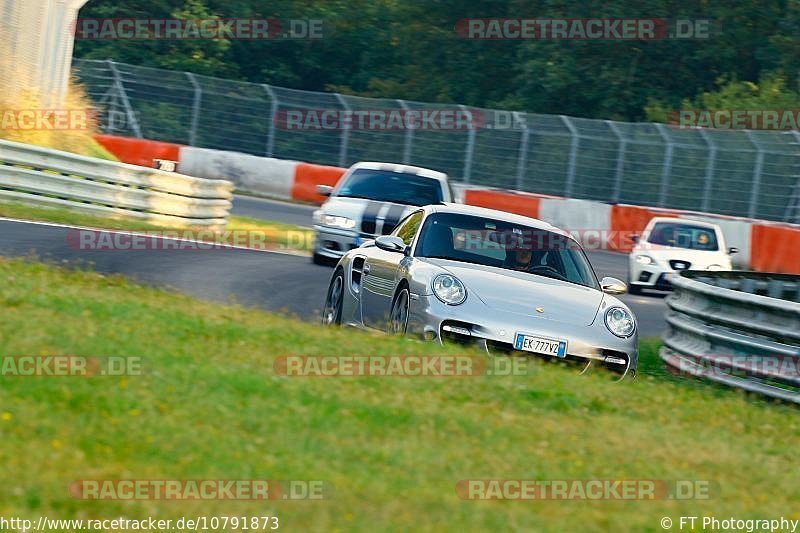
[[381, 275]]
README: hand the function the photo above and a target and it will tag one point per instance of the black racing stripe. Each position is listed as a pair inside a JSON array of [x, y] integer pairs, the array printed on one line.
[[369, 221], [394, 216]]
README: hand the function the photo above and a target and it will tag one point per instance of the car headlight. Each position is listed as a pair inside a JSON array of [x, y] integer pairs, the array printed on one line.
[[620, 322], [333, 220], [644, 260], [449, 289]]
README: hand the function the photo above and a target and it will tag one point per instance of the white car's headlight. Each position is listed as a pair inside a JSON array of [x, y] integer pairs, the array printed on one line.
[[333, 220], [620, 322], [449, 289], [644, 260]]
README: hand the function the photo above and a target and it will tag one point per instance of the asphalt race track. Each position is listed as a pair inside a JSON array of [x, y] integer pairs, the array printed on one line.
[[272, 281]]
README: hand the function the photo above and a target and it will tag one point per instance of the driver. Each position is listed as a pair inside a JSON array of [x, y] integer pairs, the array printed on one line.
[[520, 253], [522, 259]]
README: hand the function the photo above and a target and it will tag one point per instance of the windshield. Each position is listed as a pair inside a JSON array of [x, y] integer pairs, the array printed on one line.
[[388, 186], [682, 235], [494, 243]]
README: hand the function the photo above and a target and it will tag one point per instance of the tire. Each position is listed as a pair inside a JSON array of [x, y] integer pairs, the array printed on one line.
[[332, 313], [634, 289], [321, 260], [398, 318]]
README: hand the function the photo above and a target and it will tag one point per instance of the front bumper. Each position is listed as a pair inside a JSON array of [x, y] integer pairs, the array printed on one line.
[[495, 331], [653, 276], [334, 243]]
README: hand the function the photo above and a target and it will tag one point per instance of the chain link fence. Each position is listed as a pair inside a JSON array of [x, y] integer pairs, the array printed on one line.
[[743, 173]]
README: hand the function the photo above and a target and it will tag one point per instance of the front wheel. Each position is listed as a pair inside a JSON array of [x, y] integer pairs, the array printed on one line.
[[399, 316], [634, 289], [332, 314]]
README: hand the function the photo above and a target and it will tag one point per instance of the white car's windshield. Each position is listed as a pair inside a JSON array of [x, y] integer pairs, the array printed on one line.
[[388, 186], [489, 242], [681, 235]]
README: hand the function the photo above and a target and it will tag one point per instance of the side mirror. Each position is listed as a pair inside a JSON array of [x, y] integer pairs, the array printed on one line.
[[324, 190], [390, 243], [613, 286], [733, 250], [634, 238]]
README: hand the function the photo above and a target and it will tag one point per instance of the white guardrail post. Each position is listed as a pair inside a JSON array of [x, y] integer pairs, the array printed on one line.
[[740, 329], [32, 174]]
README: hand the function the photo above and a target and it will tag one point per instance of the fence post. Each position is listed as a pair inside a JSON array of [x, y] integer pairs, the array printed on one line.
[[755, 189], [198, 99], [620, 167], [662, 193], [124, 97], [345, 133], [522, 159], [470, 146], [573, 155], [409, 134], [794, 202], [273, 100], [710, 169]]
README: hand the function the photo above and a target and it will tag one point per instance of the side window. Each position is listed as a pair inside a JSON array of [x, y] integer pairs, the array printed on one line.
[[409, 227]]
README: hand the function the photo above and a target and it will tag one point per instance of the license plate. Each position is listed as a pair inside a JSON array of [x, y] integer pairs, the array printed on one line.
[[530, 343]]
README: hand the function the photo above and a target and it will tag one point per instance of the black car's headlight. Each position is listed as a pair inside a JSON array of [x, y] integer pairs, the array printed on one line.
[[449, 289], [620, 322]]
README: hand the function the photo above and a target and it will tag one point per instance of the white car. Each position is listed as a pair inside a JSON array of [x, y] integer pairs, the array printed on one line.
[[369, 200], [669, 245]]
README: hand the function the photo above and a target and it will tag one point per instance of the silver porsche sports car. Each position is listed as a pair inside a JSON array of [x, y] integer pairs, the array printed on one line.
[[465, 274]]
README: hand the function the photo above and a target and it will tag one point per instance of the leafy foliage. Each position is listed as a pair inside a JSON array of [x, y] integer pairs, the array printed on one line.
[[386, 48]]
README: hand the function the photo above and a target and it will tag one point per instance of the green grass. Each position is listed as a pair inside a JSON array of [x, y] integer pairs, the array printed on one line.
[[210, 406], [274, 234]]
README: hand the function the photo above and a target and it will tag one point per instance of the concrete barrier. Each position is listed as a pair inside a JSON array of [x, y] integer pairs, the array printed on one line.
[[762, 246], [140, 152], [259, 175]]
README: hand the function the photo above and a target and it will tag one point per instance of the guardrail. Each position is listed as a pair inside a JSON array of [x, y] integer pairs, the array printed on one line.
[[32, 174], [740, 329]]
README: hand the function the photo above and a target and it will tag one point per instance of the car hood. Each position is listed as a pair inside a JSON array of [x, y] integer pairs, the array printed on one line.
[[523, 293], [371, 216]]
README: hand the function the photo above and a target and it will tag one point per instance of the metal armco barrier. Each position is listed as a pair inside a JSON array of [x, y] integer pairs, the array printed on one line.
[[32, 174], [740, 329]]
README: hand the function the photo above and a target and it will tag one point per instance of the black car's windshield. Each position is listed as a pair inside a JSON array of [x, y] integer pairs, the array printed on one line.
[[681, 235], [388, 186], [489, 242]]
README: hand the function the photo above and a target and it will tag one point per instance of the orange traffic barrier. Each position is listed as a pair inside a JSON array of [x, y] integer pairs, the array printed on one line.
[[628, 219], [139, 151], [308, 176], [775, 248], [512, 202]]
